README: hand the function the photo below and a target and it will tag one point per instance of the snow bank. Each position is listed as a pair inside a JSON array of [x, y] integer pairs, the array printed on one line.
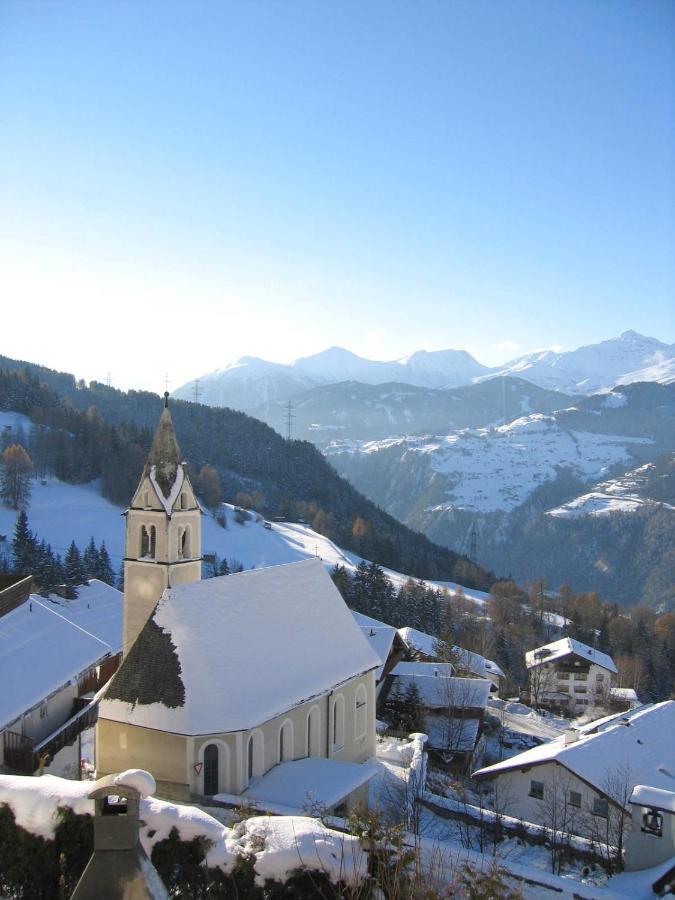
[[395, 751]]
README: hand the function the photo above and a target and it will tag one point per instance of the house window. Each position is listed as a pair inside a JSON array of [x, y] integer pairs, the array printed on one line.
[[360, 713], [563, 676], [575, 799], [338, 722], [581, 676], [600, 677], [537, 790], [652, 822], [211, 770], [580, 689], [563, 688], [600, 807]]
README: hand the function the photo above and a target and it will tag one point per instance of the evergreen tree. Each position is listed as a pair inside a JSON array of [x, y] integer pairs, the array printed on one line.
[[73, 570], [90, 560], [104, 569], [223, 568], [24, 545], [119, 584]]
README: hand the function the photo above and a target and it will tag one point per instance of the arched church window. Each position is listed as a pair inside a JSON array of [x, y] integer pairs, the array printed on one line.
[[183, 501], [250, 758], [153, 541], [256, 755], [286, 741], [360, 710], [211, 770], [339, 722], [185, 544], [313, 731]]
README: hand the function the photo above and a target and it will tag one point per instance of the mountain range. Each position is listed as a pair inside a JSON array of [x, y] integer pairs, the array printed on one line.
[[251, 382]]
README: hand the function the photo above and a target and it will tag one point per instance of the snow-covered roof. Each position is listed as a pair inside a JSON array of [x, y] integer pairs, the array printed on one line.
[[451, 735], [379, 636], [439, 691], [310, 783], [477, 664], [639, 742], [657, 798], [474, 662], [627, 694], [424, 668], [418, 640], [232, 652], [46, 643], [568, 647]]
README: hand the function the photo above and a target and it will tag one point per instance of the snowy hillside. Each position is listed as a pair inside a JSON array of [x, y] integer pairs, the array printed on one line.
[[491, 469], [252, 381], [62, 512], [628, 493]]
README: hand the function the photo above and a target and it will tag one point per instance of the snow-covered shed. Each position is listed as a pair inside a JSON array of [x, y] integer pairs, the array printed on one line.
[[234, 675], [595, 766], [52, 651]]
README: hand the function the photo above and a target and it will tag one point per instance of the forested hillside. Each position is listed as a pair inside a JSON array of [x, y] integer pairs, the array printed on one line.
[[82, 433]]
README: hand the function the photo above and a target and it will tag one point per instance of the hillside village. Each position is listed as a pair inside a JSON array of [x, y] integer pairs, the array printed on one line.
[[263, 691]]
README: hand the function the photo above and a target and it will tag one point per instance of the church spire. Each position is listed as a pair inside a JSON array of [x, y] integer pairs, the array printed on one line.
[[163, 530], [164, 459]]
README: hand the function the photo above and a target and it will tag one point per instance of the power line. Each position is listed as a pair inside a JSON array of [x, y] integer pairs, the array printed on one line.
[[290, 415]]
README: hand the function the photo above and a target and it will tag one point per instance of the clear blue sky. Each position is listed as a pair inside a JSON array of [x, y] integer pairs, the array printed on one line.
[[183, 183]]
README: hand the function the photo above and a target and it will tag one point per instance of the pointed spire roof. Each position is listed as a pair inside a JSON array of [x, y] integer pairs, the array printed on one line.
[[165, 455]]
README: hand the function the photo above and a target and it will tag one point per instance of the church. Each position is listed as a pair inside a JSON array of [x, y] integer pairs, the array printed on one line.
[[256, 685]]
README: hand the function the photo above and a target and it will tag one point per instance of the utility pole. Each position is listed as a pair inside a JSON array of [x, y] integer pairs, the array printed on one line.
[[473, 543], [289, 420], [196, 390]]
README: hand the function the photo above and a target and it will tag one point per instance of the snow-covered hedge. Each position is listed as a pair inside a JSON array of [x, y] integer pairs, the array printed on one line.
[[273, 848]]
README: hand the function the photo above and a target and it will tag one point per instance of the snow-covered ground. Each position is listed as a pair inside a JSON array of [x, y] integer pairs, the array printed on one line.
[[489, 469], [61, 512], [615, 495]]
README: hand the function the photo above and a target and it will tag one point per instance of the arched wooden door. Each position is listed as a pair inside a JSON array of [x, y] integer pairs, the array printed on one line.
[[211, 770]]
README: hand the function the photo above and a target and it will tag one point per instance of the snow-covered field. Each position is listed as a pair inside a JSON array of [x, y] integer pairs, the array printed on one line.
[[490, 469], [61, 512], [615, 495]]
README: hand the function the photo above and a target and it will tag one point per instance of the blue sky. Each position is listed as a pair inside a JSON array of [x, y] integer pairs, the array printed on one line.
[[184, 183]]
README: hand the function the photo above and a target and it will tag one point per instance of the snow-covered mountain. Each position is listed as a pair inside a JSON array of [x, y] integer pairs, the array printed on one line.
[[252, 381], [597, 367]]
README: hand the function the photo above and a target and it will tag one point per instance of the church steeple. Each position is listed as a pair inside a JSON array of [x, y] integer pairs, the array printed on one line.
[[163, 530]]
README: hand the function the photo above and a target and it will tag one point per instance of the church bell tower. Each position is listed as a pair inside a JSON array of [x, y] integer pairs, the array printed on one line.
[[163, 531]]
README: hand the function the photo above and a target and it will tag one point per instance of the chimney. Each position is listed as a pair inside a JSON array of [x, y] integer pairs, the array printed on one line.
[[119, 866]]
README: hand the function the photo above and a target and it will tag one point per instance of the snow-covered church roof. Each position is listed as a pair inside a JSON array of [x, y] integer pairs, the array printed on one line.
[[230, 653]]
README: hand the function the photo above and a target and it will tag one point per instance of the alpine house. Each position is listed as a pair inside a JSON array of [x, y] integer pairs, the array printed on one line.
[[227, 679]]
